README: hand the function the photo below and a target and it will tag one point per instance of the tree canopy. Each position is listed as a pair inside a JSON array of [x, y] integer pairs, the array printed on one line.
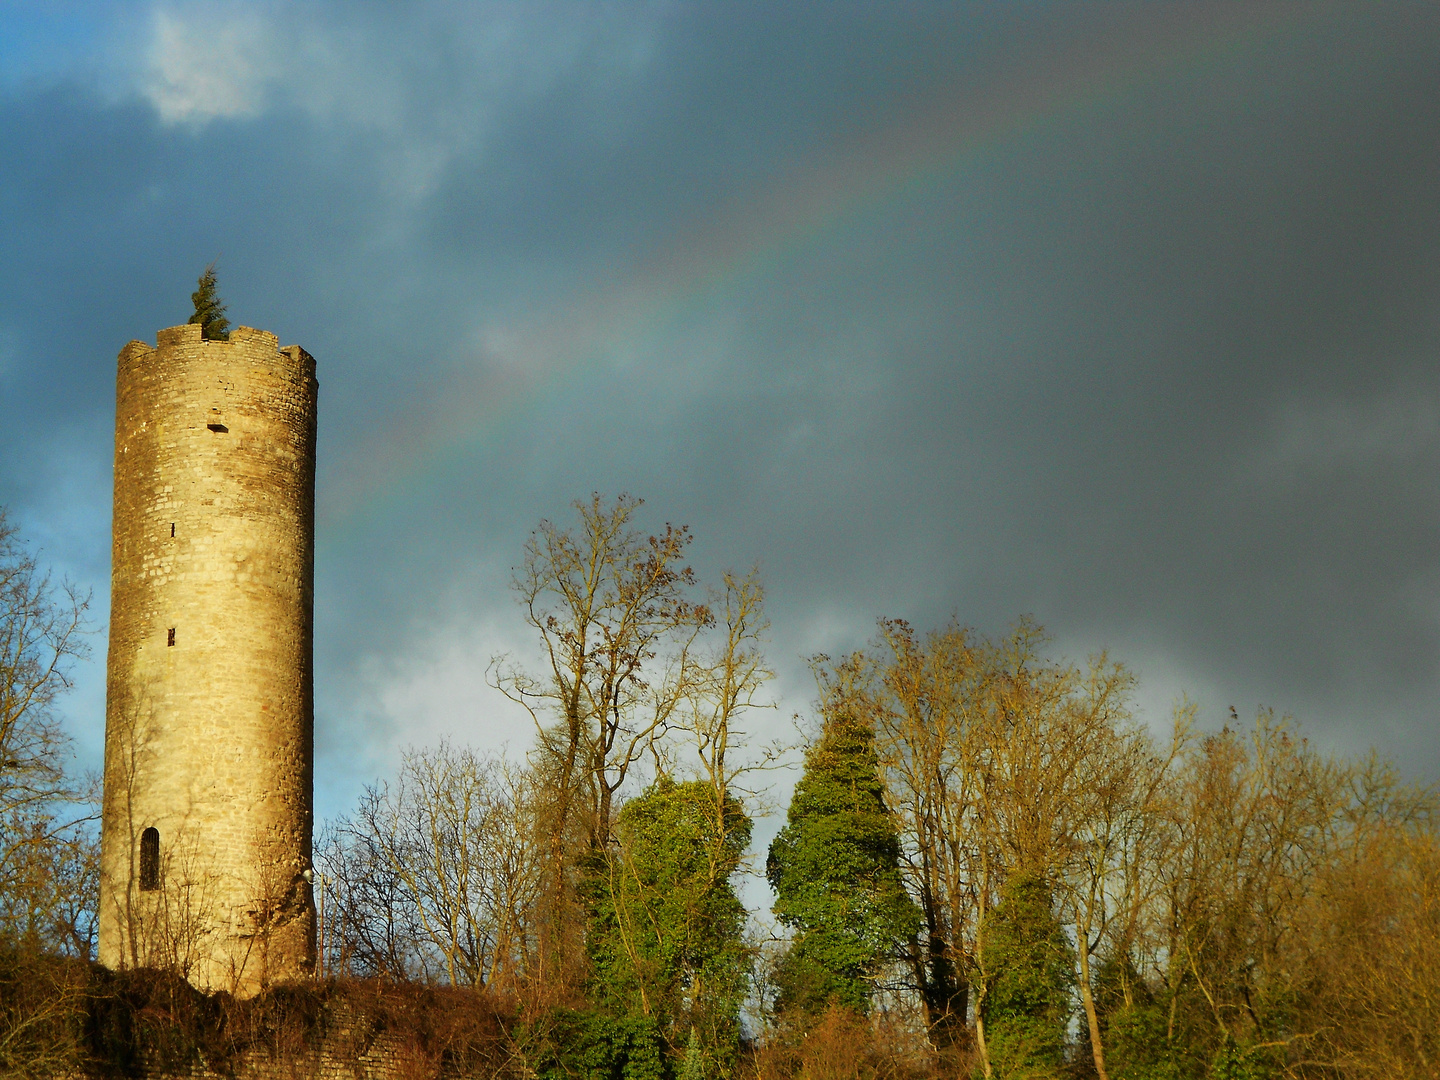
[[989, 867], [835, 871], [666, 935]]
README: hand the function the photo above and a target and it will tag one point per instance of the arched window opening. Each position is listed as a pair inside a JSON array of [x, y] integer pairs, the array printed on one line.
[[150, 860]]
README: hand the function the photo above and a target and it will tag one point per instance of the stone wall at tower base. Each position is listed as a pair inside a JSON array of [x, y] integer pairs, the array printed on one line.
[[348, 1049], [86, 1022]]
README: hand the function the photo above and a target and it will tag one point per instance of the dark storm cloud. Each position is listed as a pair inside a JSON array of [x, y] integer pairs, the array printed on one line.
[[1155, 363]]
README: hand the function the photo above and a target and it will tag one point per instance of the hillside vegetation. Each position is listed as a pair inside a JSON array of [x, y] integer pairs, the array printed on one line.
[[989, 867]]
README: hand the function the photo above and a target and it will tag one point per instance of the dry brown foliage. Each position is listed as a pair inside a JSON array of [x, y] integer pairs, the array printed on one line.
[[1371, 945], [843, 1045], [63, 1017]]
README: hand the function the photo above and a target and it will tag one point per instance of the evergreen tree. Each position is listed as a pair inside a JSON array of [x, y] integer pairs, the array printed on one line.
[[209, 309], [835, 872], [1030, 973], [666, 927]]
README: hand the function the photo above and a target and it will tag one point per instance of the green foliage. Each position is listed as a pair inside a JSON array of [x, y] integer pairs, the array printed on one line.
[[1236, 1062], [694, 1065], [835, 872], [1137, 1048], [665, 924], [590, 1045], [1030, 973], [1135, 1027], [1152, 1033], [209, 309]]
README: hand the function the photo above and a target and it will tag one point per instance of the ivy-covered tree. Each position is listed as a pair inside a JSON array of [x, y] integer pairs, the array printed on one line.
[[1029, 969], [835, 870], [666, 927], [209, 309], [567, 1044], [1136, 1026]]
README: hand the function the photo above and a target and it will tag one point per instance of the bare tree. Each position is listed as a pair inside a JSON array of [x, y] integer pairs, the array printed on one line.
[[1235, 902], [1002, 763], [53, 886], [1107, 873], [616, 627], [168, 927], [42, 1013], [1370, 936], [669, 926], [923, 694], [1258, 823], [436, 875], [369, 929], [44, 814], [725, 684]]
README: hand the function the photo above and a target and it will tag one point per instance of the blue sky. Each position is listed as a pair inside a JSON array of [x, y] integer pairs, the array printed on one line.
[[1122, 316]]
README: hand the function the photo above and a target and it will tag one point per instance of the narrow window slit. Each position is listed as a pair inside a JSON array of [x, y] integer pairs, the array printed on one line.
[[170, 636], [172, 529], [150, 860]]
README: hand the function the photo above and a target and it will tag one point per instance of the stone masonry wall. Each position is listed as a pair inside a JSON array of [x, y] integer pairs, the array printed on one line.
[[331, 1031], [209, 709], [347, 1050]]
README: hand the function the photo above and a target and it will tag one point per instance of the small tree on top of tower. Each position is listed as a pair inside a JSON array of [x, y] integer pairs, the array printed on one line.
[[209, 309]]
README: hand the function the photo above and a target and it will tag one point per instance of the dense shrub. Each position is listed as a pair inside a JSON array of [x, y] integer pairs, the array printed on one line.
[[1030, 977], [569, 1044]]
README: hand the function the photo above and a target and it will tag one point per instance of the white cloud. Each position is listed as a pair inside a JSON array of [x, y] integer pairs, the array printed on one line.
[[208, 63], [433, 83], [441, 691]]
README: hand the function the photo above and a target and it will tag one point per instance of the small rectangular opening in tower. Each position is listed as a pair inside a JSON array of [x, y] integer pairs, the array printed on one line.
[[172, 530], [170, 636]]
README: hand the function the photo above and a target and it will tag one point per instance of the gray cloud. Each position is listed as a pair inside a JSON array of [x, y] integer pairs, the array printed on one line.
[[1153, 359]]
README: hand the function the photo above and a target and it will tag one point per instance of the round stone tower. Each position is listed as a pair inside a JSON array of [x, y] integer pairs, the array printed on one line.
[[206, 827]]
